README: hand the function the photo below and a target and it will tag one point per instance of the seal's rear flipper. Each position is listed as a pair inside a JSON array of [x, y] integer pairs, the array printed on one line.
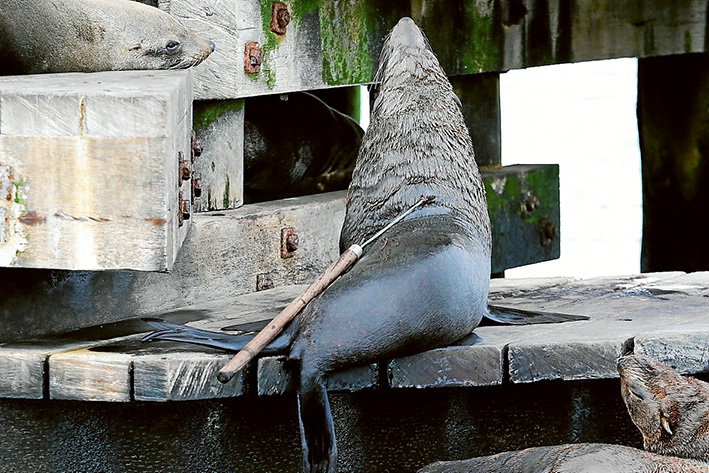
[[317, 431], [224, 341], [510, 316]]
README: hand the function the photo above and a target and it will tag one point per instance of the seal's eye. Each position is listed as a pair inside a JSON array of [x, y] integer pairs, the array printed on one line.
[[636, 394], [172, 47]]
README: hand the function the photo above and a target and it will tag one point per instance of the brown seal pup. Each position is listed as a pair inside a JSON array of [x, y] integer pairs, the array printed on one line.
[[670, 410], [38, 36], [424, 284]]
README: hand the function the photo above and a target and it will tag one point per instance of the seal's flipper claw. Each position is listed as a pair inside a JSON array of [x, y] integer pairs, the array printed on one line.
[[510, 316]]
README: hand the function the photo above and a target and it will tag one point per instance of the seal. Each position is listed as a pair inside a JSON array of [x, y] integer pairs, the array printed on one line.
[[670, 410], [424, 284], [572, 458], [290, 156], [41, 36]]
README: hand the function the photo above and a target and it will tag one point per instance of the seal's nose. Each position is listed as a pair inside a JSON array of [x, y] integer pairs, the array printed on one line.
[[212, 46], [406, 33]]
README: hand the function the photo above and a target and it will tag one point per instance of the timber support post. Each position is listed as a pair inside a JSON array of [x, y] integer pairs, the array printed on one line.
[[673, 125]]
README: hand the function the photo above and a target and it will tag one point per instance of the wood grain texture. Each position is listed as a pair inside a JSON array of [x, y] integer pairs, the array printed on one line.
[[182, 377], [92, 161]]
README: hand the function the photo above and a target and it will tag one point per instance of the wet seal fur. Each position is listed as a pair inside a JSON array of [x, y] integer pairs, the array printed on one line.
[[423, 284], [670, 410], [39, 36]]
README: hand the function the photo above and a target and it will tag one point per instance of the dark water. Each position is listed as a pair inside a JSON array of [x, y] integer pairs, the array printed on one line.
[[377, 431]]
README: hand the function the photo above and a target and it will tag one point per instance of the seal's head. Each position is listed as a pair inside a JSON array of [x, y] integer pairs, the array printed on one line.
[[417, 144], [163, 44], [42, 36], [670, 410]]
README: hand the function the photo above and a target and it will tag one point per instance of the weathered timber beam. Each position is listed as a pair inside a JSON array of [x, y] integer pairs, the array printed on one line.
[[226, 253], [673, 125], [89, 168], [331, 43]]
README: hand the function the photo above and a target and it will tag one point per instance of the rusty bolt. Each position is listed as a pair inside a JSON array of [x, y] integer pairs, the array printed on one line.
[[252, 57], [185, 172], [264, 281], [528, 205], [196, 146], [289, 242], [184, 212], [280, 17], [548, 233], [197, 187], [31, 217]]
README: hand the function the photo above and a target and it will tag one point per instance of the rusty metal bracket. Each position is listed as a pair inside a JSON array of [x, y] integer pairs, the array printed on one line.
[[264, 281], [253, 57]]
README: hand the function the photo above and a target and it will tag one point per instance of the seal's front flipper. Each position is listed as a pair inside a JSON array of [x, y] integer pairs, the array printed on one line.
[[317, 431], [510, 316], [224, 341]]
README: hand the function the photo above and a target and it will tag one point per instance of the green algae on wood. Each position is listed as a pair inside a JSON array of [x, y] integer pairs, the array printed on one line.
[[205, 112], [344, 31]]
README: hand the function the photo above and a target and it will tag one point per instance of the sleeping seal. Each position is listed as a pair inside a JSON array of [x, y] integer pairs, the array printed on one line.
[[571, 458], [38, 36], [670, 410]]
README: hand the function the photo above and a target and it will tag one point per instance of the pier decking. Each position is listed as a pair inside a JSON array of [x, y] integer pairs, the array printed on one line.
[[661, 314]]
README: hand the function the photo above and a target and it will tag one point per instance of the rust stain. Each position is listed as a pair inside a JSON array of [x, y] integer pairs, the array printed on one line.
[[100, 219], [280, 17], [31, 218], [158, 222]]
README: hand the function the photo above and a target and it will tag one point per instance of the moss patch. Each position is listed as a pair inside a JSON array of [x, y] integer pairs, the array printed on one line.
[[206, 111]]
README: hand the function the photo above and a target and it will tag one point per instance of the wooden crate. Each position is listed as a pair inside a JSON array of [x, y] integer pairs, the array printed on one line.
[[89, 169]]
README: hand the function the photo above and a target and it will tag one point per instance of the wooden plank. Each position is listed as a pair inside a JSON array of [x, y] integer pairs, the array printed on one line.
[[672, 125], [83, 375], [90, 165], [183, 377], [523, 203], [328, 44]]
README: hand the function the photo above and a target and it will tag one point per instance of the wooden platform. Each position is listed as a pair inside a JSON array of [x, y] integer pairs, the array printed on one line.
[[664, 314]]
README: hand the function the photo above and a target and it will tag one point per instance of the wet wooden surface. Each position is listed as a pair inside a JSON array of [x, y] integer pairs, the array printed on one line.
[[662, 314]]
